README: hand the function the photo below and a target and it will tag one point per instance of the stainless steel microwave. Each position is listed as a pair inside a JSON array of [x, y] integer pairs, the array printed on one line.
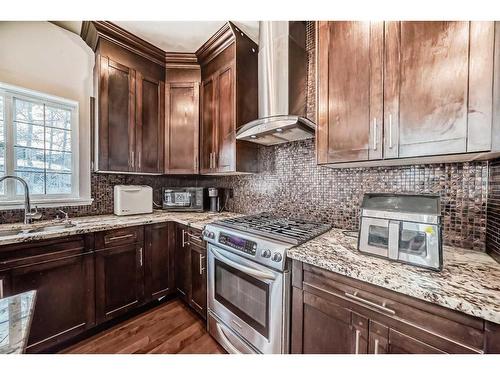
[[402, 227], [184, 199]]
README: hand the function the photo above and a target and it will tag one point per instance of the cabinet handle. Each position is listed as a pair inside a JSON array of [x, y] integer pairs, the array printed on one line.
[[132, 157], [374, 134], [215, 160], [358, 334], [390, 130], [210, 163], [116, 238], [139, 157], [376, 347], [140, 256], [1, 288], [184, 242], [369, 303], [202, 258]]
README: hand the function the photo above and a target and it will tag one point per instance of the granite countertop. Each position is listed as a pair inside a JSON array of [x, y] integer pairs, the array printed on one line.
[[469, 281], [15, 321], [87, 224]]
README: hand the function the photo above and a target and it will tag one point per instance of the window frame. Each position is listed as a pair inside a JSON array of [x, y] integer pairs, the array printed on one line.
[[10, 200]]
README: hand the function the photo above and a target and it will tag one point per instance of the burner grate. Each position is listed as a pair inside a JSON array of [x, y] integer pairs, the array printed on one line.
[[294, 231]]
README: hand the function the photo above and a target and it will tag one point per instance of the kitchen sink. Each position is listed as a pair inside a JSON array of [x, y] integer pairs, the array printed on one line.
[[11, 232], [52, 227]]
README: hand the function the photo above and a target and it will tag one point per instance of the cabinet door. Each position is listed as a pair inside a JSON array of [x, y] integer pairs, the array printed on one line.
[[208, 125], [116, 110], [150, 123], [331, 329], [350, 91], [182, 128], [158, 257], [225, 157], [182, 263], [119, 280], [438, 88], [198, 295], [64, 301], [400, 343]]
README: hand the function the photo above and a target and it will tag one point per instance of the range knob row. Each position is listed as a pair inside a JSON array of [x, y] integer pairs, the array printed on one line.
[[208, 234], [267, 254]]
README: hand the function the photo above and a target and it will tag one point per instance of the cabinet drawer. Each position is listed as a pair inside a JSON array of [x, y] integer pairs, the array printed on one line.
[[117, 237], [434, 324], [41, 251]]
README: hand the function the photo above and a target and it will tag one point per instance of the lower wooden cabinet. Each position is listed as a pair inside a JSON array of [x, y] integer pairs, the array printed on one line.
[[119, 280], [334, 314], [62, 273], [190, 268], [159, 242]]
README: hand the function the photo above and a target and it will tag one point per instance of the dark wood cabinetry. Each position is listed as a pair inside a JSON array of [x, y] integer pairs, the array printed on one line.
[[190, 268], [119, 268], [228, 100], [336, 314], [130, 90], [159, 242], [62, 273], [385, 92], [182, 121]]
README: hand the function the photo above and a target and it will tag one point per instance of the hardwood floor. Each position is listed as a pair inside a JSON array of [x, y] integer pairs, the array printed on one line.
[[167, 329]]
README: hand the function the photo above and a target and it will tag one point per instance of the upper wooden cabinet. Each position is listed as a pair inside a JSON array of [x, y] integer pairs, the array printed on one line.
[[405, 89], [129, 77], [228, 100], [182, 120]]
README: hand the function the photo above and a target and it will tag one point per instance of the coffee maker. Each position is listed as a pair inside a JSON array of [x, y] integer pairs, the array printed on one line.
[[215, 199]]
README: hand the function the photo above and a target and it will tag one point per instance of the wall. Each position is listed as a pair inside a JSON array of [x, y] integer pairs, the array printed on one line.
[[44, 57]]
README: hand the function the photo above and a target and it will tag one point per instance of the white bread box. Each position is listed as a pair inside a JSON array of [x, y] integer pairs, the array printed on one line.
[[133, 199]]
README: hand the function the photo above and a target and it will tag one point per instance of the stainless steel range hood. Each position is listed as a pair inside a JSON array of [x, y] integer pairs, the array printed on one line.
[[282, 86]]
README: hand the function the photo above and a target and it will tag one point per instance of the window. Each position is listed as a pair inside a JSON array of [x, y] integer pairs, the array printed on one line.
[[39, 143]]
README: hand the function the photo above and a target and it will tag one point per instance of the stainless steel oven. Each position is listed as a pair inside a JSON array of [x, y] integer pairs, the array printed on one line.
[[250, 299]]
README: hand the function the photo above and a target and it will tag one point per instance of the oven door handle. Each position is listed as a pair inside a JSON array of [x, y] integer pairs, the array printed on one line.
[[231, 348], [250, 271]]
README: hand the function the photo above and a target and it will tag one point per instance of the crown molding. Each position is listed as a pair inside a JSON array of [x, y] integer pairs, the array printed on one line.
[[216, 43], [181, 60], [93, 30]]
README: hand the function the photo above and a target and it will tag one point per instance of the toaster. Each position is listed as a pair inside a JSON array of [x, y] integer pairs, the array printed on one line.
[[133, 199]]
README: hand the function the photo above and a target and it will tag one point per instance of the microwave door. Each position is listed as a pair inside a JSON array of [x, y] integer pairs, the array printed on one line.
[[419, 244], [374, 236]]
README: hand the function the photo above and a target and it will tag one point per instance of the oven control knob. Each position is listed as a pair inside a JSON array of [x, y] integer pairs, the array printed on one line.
[[211, 235], [277, 257], [266, 253]]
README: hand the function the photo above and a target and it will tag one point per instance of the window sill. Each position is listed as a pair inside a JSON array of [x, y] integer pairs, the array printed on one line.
[[46, 203]]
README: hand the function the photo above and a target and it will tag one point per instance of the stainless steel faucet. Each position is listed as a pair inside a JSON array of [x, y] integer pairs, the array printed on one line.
[[29, 215]]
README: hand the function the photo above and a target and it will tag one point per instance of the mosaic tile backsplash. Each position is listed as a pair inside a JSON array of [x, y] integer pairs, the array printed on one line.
[[493, 222]]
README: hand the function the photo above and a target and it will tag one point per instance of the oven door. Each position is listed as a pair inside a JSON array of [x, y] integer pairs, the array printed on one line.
[[248, 299]]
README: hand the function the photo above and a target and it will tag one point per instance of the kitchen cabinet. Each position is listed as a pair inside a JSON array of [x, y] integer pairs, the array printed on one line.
[[159, 241], [129, 77], [350, 89], [198, 284], [190, 268], [396, 91], [332, 313], [228, 100], [119, 264], [182, 263], [62, 273], [182, 121]]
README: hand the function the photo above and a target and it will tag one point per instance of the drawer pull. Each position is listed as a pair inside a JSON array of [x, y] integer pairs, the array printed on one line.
[[116, 238], [202, 258], [140, 256], [1, 288], [376, 347], [197, 238], [369, 303], [358, 334]]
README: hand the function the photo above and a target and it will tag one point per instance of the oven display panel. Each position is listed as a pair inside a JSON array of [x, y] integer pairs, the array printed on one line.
[[238, 243]]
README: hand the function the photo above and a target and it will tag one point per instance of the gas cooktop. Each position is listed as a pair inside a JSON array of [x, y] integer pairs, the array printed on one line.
[[291, 231]]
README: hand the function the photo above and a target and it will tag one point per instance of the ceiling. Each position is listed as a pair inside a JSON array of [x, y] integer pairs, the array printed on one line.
[[173, 36]]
